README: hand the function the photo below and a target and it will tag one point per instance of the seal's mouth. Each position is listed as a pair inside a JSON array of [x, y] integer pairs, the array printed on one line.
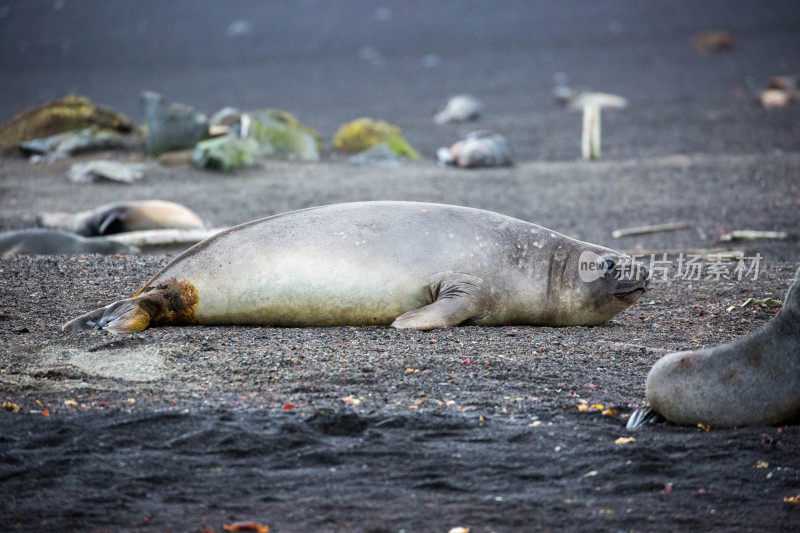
[[634, 284], [630, 290], [625, 294]]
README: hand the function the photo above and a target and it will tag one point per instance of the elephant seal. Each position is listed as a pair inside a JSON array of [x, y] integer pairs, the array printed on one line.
[[411, 265], [123, 216], [754, 380], [49, 242]]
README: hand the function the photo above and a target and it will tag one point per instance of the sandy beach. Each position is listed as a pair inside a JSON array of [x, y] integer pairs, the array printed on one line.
[[371, 428]]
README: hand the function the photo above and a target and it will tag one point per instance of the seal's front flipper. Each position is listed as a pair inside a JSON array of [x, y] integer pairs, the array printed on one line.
[[642, 416], [439, 314], [457, 298], [125, 316]]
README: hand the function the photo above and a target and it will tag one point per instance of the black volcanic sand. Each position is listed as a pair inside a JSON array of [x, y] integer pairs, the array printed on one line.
[[378, 429], [372, 429]]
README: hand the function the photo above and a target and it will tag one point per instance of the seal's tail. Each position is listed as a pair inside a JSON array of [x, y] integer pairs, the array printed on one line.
[[125, 316]]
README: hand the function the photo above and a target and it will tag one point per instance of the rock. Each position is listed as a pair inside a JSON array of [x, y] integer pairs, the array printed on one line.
[[459, 108], [282, 135], [781, 91], [59, 116], [101, 169], [238, 28], [227, 116], [430, 60], [784, 83], [364, 133], [771, 98], [713, 41], [563, 94], [171, 126], [478, 149], [371, 55], [287, 118], [175, 159], [225, 153], [380, 155], [74, 142], [260, 135]]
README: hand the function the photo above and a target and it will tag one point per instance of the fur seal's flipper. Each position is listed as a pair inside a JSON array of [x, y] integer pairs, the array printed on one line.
[[642, 416], [172, 302], [457, 298], [109, 218]]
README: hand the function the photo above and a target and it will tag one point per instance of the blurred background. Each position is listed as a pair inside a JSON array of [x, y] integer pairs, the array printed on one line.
[[330, 62]]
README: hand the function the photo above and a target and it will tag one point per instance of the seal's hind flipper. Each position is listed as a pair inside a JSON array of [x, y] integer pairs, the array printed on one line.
[[125, 316], [457, 297], [169, 302], [642, 416]]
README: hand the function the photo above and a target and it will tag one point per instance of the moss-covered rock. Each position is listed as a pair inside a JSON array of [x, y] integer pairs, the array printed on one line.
[[59, 116], [91, 139], [287, 118], [225, 153], [364, 133], [280, 135], [259, 135]]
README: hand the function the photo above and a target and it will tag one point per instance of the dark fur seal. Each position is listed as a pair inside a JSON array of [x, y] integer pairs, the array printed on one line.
[[754, 380]]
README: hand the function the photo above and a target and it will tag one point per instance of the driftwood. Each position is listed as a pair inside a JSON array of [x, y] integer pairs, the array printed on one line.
[[704, 253], [767, 303], [655, 228], [160, 237], [752, 235]]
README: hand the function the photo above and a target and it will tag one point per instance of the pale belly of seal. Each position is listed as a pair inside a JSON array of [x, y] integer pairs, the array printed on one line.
[[346, 267], [296, 290]]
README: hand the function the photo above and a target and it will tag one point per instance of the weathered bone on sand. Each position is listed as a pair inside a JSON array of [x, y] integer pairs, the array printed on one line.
[[704, 254], [160, 237], [592, 104], [654, 228], [752, 235]]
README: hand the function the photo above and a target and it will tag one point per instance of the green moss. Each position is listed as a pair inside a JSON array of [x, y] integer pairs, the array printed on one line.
[[225, 153], [271, 134], [364, 133], [58, 116], [280, 137], [287, 118]]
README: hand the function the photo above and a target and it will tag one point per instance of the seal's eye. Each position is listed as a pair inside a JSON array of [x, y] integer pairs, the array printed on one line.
[[609, 265]]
